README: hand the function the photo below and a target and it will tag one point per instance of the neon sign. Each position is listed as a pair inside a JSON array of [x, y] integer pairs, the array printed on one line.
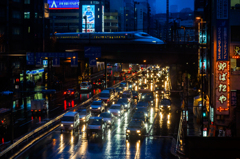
[[63, 4], [222, 87]]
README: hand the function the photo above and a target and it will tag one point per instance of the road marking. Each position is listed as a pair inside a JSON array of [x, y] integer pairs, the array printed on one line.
[[26, 123], [54, 109]]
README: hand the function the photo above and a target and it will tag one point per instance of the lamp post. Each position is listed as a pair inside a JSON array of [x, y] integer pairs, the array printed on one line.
[[201, 54]]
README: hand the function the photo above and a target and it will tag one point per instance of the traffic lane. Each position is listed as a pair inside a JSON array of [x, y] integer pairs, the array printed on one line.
[[166, 123], [57, 145]]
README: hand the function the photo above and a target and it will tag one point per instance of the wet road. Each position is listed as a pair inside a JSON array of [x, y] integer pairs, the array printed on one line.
[[157, 144], [25, 122]]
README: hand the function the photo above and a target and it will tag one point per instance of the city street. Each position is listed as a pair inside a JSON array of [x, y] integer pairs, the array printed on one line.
[[157, 144]]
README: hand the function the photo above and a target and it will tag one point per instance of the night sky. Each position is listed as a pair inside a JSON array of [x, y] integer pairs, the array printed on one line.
[[161, 5]]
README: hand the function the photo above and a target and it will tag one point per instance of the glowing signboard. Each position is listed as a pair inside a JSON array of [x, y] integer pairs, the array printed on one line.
[[222, 40], [222, 88], [89, 12], [63, 4], [236, 52]]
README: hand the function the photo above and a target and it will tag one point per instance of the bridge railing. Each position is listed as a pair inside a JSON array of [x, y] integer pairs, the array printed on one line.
[[52, 122]]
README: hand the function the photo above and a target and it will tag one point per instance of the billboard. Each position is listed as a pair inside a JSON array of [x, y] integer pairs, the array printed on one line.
[[63, 4], [88, 11]]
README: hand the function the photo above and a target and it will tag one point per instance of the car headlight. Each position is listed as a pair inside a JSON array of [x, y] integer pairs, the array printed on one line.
[[125, 105], [118, 111], [128, 131], [168, 106], [162, 92], [138, 131], [161, 106], [143, 97], [151, 101], [156, 91], [109, 121], [99, 108], [108, 111], [61, 124], [145, 114], [71, 125], [90, 107], [120, 91], [83, 118]]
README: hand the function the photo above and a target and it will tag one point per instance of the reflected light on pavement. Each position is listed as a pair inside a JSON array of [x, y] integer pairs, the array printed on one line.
[[137, 154], [84, 128]]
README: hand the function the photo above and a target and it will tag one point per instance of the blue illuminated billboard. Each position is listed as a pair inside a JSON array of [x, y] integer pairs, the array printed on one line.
[[89, 12], [63, 4]]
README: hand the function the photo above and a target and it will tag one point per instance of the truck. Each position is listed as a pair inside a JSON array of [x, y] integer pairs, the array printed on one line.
[[38, 106]]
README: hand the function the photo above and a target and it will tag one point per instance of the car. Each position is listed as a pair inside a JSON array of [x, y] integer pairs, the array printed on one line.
[[125, 102], [136, 129], [108, 118], [84, 115], [109, 66], [117, 75], [116, 110], [97, 106], [124, 85], [113, 90], [97, 126], [70, 121], [138, 115], [159, 91], [119, 90], [106, 96], [147, 95], [165, 104], [99, 83], [130, 85], [143, 104], [145, 110], [85, 86], [135, 95], [122, 73], [70, 94], [128, 95]]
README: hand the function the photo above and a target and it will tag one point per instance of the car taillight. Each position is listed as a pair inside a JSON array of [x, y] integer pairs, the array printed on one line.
[[72, 93], [94, 83], [39, 110], [66, 92], [31, 110], [99, 83]]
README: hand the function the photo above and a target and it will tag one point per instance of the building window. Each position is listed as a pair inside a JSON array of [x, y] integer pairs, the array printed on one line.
[[16, 31], [98, 16], [29, 29], [126, 14], [235, 4], [235, 33], [36, 15], [26, 15], [16, 15], [26, 1], [98, 9]]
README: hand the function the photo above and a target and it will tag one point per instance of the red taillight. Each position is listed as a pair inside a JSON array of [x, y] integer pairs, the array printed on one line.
[[2, 121], [39, 110], [65, 93], [72, 93], [99, 83], [31, 110], [94, 83]]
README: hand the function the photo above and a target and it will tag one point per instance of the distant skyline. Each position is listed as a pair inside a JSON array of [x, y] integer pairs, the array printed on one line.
[[161, 5]]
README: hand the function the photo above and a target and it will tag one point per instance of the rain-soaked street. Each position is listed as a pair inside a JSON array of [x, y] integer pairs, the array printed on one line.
[[161, 127]]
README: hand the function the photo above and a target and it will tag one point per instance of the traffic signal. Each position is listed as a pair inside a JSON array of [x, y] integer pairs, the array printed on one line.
[[17, 80], [204, 114]]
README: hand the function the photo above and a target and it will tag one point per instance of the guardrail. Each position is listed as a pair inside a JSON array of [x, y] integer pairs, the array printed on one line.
[[51, 122]]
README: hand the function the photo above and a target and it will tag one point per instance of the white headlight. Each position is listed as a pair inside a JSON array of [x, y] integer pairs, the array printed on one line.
[[161, 106], [71, 125], [83, 118], [169, 106], [128, 131], [118, 111], [90, 107], [125, 105], [99, 108], [61, 124], [109, 121], [138, 131]]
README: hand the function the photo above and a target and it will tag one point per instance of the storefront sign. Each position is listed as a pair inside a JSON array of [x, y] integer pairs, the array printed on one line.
[[222, 40], [222, 88], [35, 71], [236, 52], [63, 4]]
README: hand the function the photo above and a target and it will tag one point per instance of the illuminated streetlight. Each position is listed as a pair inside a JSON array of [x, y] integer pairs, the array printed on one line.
[[144, 61]]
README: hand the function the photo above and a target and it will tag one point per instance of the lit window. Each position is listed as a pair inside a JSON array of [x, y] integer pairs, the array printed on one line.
[[126, 14], [26, 1], [29, 29], [98, 9], [98, 16], [36, 15], [26, 15]]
